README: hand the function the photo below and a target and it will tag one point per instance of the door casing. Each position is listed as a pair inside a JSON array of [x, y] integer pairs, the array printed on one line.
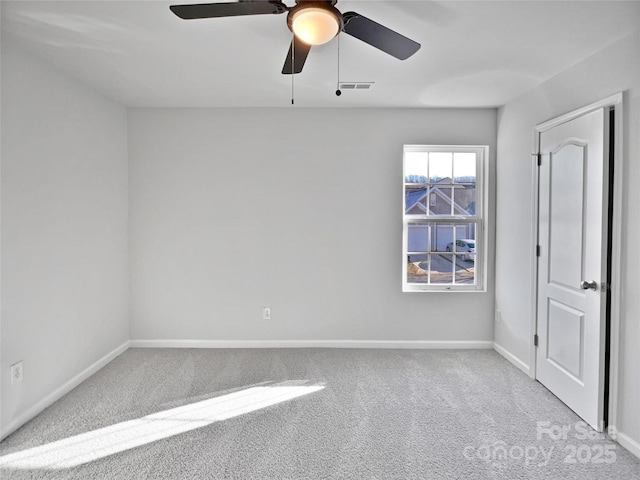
[[614, 103]]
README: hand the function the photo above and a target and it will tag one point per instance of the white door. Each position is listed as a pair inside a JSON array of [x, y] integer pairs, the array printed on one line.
[[572, 264]]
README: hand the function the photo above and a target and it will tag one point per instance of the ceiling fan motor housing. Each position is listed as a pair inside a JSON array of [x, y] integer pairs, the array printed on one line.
[[323, 7]]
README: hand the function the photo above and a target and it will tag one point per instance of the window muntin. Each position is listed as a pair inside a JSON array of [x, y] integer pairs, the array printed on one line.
[[443, 234]]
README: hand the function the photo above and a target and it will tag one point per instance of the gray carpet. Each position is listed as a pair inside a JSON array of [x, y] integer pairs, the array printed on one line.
[[310, 414]]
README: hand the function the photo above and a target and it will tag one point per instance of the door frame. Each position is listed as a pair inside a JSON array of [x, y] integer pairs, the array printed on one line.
[[614, 103]]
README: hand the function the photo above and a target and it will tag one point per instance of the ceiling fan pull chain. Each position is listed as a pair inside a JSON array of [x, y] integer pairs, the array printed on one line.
[[338, 92], [293, 63]]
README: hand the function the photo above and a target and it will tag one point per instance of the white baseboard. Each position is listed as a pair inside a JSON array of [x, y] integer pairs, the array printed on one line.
[[629, 443], [512, 358], [61, 391], [416, 344]]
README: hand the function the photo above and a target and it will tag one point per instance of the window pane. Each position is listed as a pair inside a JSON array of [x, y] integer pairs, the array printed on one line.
[[418, 237], [418, 268], [466, 232], [442, 235], [465, 273], [415, 200], [465, 243], [416, 167], [440, 201], [440, 167], [464, 167], [464, 199], [441, 268]]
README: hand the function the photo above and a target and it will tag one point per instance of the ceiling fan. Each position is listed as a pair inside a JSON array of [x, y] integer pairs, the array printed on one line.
[[313, 22]]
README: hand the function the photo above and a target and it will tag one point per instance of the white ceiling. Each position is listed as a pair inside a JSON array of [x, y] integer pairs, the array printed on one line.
[[474, 53]]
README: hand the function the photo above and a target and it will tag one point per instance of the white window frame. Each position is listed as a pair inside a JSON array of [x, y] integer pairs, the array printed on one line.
[[479, 219]]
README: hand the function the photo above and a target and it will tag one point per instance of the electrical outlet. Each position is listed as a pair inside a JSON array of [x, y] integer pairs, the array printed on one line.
[[266, 313], [498, 316], [16, 373]]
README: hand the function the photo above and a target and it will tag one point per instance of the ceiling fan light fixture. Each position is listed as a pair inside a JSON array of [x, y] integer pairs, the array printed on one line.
[[315, 25]]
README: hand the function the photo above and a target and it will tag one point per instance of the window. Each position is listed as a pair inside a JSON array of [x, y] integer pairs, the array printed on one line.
[[443, 211]]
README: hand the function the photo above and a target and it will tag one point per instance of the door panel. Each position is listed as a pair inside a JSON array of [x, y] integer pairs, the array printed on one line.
[[571, 231], [566, 338], [566, 215]]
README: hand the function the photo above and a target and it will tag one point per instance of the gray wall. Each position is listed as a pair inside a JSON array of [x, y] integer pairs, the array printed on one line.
[[297, 209], [613, 70], [64, 230]]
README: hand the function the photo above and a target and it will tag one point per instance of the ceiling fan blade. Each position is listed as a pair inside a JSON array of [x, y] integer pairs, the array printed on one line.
[[228, 9], [379, 36], [299, 56]]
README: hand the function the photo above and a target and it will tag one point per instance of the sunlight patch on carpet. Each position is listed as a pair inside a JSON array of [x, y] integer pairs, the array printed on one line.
[[87, 447]]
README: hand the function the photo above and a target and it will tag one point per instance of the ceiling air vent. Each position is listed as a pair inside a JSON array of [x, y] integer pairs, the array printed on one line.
[[356, 85]]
